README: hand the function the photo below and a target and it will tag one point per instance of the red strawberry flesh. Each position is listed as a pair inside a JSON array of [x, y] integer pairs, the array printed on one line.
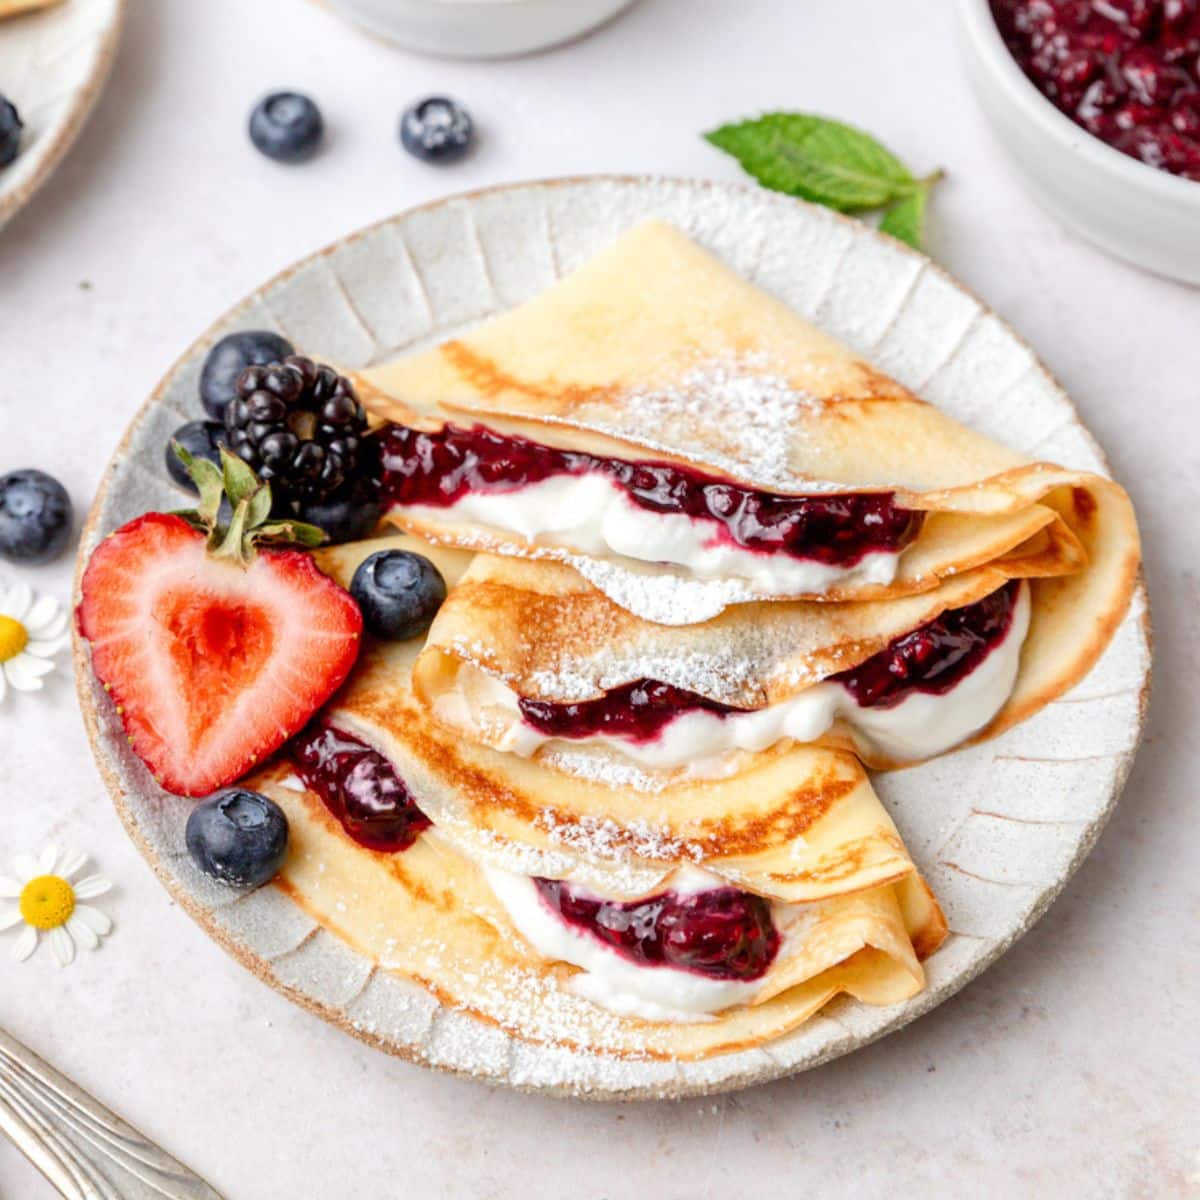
[[212, 665]]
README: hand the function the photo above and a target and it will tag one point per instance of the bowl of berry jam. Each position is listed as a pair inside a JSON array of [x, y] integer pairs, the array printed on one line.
[[1098, 103]]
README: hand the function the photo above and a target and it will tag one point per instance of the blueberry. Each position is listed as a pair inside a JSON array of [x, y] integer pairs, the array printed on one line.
[[238, 837], [286, 126], [229, 357], [35, 517], [201, 439], [437, 130], [345, 516], [10, 131], [399, 593]]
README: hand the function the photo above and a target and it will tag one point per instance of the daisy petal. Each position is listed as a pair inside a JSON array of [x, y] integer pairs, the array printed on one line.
[[10, 915], [55, 627], [26, 868], [72, 861], [61, 945], [25, 945], [91, 887], [10, 889], [47, 860], [43, 610], [94, 919], [17, 602], [45, 647], [3, 685], [25, 672], [82, 932]]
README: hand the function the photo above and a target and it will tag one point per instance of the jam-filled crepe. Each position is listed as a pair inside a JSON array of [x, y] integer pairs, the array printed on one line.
[[688, 442], [529, 658], [695, 969], [684, 967], [789, 825]]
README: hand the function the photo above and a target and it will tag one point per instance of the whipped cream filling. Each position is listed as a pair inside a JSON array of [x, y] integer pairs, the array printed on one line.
[[591, 515], [615, 983], [922, 725]]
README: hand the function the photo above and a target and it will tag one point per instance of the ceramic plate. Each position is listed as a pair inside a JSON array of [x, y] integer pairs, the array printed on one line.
[[53, 63], [996, 829]]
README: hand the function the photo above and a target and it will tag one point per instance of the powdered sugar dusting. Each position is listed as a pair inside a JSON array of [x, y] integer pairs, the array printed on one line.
[[736, 414], [603, 839], [664, 598]]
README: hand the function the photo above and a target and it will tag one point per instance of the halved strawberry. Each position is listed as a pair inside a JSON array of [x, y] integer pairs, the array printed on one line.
[[214, 652]]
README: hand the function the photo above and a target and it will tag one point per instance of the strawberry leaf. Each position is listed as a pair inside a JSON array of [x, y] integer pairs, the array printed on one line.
[[818, 159], [259, 508], [240, 481], [291, 531], [207, 478], [251, 502]]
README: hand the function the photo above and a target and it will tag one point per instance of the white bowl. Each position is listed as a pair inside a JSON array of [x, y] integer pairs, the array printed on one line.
[[1136, 212], [478, 28]]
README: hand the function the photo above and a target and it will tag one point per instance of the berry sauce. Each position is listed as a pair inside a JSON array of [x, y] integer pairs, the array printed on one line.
[[1128, 71], [933, 658], [837, 529], [636, 712], [360, 787], [721, 934], [936, 656]]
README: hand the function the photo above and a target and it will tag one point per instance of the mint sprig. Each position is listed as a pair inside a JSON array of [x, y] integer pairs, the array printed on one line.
[[829, 163]]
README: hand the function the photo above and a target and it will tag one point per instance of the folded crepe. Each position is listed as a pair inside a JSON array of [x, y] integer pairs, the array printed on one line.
[[859, 921], [688, 442], [529, 658], [430, 915], [789, 825]]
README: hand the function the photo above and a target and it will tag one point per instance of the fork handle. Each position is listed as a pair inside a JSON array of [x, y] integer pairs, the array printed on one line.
[[83, 1149]]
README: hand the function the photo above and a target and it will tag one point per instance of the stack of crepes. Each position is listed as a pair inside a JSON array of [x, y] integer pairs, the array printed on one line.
[[703, 562]]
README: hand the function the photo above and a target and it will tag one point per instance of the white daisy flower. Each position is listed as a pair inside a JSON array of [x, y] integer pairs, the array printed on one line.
[[41, 896], [33, 629]]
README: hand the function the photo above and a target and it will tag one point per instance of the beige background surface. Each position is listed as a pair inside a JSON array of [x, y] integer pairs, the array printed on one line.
[[1070, 1068]]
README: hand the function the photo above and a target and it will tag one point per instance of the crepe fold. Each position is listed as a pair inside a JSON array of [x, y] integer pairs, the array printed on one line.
[[654, 351], [546, 634], [793, 825], [428, 914]]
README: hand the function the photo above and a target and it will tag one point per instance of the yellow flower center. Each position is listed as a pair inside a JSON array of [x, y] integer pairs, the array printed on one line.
[[47, 902], [14, 637]]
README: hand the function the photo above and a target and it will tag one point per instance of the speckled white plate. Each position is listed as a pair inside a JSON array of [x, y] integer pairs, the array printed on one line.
[[53, 64], [997, 829]]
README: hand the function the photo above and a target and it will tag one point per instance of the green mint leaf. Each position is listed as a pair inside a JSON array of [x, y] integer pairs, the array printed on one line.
[[905, 220], [817, 159]]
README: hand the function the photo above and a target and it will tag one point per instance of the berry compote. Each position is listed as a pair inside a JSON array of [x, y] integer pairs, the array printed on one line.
[[1128, 71], [636, 712], [359, 786], [836, 529], [932, 658], [936, 656], [721, 934]]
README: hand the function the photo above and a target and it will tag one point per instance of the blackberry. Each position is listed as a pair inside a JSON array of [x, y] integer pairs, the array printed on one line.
[[299, 425]]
